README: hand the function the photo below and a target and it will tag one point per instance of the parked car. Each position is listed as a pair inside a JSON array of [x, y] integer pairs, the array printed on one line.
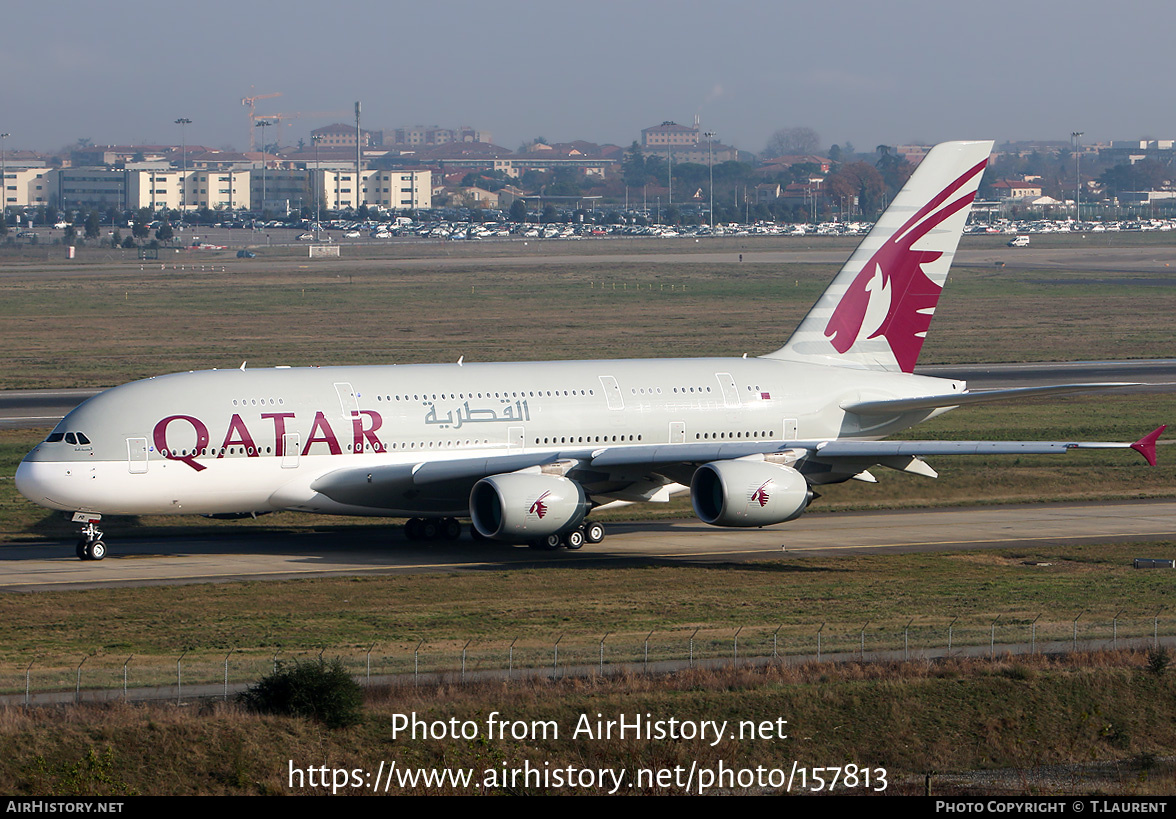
[[245, 254], [1019, 241]]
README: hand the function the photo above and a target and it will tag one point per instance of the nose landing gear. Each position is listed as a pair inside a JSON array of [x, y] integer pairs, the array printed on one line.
[[91, 546]]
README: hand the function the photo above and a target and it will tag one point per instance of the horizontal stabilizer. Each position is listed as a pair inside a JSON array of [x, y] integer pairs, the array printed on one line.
[[891, 406]]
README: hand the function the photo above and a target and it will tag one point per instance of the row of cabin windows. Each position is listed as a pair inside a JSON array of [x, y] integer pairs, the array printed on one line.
[[564, 439], [240, 450], [465, 396], [567, 439], [587, 439], [246, 402]]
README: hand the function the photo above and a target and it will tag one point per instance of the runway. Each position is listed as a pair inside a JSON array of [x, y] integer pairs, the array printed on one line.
[[372, 550]]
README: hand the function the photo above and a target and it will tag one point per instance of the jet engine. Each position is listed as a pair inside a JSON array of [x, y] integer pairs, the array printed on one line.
[[748, 493], [520, 506]]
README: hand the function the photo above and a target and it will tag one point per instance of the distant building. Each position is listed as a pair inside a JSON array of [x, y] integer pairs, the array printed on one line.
[[28, 186], [1136, 150], [1006, 189], [339, 135], [92, 187], [422, 135], [912, 153], [779, 163], [669, 136]]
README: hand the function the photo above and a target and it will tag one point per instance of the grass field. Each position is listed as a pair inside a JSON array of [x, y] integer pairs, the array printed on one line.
[[105, 322]]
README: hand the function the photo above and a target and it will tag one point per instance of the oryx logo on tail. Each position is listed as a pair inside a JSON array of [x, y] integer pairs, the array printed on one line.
[[892, 296]]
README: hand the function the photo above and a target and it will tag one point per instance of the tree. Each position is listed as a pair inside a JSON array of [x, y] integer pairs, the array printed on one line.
[[165, 233], [793, 142], [313, 689], [518, 211], [857, 179], [93, 228], [633, 166], [141, 227]]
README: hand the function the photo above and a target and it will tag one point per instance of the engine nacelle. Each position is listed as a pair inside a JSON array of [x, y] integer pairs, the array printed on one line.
[[748, 493], [519, 506]]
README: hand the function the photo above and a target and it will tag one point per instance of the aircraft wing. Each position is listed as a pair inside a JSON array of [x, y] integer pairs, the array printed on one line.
[[386, 486]]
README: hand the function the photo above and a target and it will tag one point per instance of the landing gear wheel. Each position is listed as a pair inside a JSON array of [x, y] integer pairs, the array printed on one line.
[[450, 529], [574, 539], [412, 529], [90, 547], [551, 542], [593, 532], [430, 529]]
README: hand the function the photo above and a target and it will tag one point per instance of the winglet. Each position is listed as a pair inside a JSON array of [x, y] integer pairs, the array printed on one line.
[[1146, 446]]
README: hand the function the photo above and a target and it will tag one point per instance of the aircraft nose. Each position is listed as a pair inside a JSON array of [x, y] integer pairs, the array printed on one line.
[[40, 481]]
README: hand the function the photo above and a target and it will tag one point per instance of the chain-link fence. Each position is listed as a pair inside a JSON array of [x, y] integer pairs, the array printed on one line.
[[200, 673]]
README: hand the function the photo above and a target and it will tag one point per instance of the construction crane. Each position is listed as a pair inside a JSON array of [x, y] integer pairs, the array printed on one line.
[[251, 102]]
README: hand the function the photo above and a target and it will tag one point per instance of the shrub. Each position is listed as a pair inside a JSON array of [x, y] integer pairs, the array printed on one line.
[[314, 689], [1158, 660]]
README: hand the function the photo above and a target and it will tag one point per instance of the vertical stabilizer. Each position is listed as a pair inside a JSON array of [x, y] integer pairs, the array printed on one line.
[[876, 312]]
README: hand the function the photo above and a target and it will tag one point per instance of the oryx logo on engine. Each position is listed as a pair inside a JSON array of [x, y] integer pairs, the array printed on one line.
[[761, 495], [539, 508]]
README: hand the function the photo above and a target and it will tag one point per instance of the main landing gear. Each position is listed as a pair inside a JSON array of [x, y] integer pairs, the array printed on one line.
[[431, 529], [90, 547], [590, 532]]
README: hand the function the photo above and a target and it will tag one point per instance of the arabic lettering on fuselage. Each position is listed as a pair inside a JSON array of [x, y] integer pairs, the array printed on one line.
[[463, 414]]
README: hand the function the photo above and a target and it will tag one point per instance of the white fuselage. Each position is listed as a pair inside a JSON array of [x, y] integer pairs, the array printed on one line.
[[241, 441]]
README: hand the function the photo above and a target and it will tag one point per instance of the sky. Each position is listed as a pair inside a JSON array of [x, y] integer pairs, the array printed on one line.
[[891, 72]]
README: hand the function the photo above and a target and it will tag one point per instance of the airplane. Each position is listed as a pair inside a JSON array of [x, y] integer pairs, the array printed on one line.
[[527, 450]]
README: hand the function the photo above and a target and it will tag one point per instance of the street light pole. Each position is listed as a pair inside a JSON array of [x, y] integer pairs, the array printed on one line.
[[3, 178], [316, 139], [263, 124], [710, 161], [1075, 136], [182, 121]]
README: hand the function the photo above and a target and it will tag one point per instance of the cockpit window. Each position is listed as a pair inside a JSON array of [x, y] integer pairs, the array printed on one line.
[[75, 438]]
